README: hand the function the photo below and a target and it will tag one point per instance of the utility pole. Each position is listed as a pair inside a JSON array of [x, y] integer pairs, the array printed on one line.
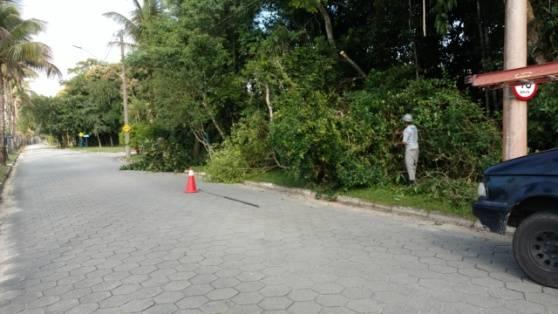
[[515, 56], [124, 95]]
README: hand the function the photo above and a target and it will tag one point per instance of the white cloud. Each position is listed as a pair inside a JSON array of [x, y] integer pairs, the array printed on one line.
[[74, 22]]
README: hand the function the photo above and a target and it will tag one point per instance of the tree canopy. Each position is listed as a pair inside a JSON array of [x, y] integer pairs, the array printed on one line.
[[316, 87]]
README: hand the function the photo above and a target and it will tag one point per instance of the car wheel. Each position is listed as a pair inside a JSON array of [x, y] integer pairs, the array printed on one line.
[[535, 248]]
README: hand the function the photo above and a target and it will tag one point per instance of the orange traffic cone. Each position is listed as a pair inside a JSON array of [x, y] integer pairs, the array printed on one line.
[[191, 183]]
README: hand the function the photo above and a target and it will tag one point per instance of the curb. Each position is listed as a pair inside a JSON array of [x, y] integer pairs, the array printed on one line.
[[356, 202], [8, 174]]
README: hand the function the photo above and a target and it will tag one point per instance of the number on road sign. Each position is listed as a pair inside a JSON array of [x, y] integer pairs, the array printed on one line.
[[525, 91]]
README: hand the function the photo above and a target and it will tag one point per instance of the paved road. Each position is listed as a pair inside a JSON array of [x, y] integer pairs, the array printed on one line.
[[79, 236]]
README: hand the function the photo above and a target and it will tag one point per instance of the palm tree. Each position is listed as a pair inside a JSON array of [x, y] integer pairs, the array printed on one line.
[[141, 15], [19, 58]]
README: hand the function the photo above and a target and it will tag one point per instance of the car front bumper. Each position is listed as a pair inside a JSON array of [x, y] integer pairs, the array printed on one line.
[[492, 214]]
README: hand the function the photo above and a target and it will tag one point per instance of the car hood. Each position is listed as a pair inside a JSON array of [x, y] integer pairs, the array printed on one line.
[[543, 163]]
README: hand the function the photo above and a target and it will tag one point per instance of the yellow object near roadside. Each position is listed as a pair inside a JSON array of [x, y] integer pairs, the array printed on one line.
[[126, 128], [81, 134]]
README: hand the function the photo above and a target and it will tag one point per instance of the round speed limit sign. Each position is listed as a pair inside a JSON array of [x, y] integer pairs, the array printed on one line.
[[525, 91]]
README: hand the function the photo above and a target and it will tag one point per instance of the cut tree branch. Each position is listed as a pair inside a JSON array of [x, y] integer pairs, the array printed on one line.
[[331, 39]]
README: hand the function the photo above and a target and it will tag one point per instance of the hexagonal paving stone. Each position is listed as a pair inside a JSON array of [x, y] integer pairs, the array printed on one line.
[[215, 307], [183, 275], [125, 289], [226, 282], [275, 303], [176, 285], [307, 307], [43, 302], [302, 295], [147, 292], [249, 286], [222, 294], [275, 291], [365, 305], [143, 270], [228, 272], [161, 309], [95, 297], [244, 309], [169, 297], [338, 310], [195, 290], [202, 279], [84, 308], [327, 288], [331, 300], [135, 279], [248, 298], [61, 306], [136, 306], [249, 276], [192, 302], [106, 286], [115, 301]]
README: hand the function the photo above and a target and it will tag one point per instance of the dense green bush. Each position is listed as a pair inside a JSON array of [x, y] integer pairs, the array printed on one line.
[[306, 136], [353, 141], [246, 150], [161, 149], [227, 165], [543, 119], [161, 155]]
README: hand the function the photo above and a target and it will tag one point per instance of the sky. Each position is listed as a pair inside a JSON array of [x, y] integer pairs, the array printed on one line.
[[74, 22]]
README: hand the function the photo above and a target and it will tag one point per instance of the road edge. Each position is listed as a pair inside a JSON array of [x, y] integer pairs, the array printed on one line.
[[359, 203], [9, 174]]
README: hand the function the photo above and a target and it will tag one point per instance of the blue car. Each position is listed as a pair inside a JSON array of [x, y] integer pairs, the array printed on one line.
[[523, 193]]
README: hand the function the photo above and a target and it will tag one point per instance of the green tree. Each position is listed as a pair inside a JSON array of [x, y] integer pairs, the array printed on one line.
[[19, 56], [142, 14]]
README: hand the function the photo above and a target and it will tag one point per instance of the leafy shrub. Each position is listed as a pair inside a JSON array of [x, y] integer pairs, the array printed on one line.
[[161, 155], [353, 141], [543, 119], [247, 149], [456, 139], [161, 149], [306, 137], [227, 165]]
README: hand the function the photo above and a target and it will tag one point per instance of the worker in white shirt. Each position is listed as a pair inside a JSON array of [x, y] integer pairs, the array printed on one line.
[[410, 140]]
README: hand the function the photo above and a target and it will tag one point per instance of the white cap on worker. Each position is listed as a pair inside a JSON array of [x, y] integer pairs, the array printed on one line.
[[408, 118]]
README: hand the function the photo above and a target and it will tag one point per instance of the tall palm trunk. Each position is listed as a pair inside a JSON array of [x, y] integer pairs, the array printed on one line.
[[3, 151], [10, 108], [15, 109]]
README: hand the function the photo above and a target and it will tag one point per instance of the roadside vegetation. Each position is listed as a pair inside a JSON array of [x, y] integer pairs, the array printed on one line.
[[310, 93], [5, 169], [20, 58], [103, 149]]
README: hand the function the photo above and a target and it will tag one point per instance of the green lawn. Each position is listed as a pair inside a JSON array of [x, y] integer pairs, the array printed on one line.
[[401, 197], [387, 195], [97, 149]]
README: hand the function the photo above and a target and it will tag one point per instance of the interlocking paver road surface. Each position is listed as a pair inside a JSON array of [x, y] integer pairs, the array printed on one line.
[[79, 236]]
